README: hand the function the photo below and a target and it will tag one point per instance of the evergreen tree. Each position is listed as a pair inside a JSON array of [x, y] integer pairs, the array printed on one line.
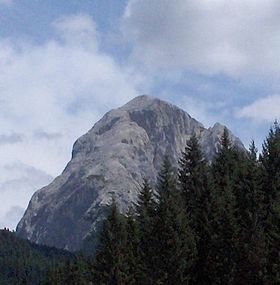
[[145, 218], [193, 181], [219, 225], [270, 161], [176, 251], [133, 275], [23, 262], [81, 270], [72, 274], [223, 252], [57, 275], [249, 236], [109, 266]]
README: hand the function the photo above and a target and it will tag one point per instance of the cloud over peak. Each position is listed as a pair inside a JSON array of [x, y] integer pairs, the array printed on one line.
[[236, 38]]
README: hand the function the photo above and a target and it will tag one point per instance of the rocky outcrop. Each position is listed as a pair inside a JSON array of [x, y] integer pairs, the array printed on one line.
[[126, 145]]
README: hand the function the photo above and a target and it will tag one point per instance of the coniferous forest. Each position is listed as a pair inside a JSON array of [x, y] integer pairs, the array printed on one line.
[[203, 223]]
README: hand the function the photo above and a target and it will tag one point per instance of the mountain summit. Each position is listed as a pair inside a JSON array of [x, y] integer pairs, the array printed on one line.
[[126, 145]]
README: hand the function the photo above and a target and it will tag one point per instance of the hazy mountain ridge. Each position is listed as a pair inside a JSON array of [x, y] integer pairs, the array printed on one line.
[[126, 145]]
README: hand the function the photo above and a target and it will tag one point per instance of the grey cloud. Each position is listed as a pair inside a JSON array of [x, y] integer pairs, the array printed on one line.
[[263, 109], [43, 135], [209, 37], [19, 171], [11, 138], [18, 183], [26, 183], [39, 83], [12, 216]]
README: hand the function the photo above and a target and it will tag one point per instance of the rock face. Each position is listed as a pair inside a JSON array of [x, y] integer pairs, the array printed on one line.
[[126, 145]]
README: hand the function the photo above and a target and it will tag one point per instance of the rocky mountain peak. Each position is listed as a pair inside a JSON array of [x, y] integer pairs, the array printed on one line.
[[127, 144], [141, 102], [145, 102]]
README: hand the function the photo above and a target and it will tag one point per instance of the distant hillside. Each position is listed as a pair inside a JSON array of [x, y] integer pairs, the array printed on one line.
[[23, 262]]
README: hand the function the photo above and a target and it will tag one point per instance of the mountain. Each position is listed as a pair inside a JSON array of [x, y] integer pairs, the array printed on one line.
[[126, 145]]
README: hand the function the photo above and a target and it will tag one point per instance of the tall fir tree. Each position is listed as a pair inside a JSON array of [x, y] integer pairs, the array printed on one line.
[[193, 183], [249, 236], [132, 251], [74, 273], [110, 262], [223, 252], [270, 162], [176, 250], [145, 218]]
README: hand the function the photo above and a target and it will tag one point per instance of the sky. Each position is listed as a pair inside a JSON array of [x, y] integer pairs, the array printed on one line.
[[64, 63]]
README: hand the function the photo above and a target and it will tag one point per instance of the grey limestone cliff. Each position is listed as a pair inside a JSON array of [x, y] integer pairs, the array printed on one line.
[[126, 145]]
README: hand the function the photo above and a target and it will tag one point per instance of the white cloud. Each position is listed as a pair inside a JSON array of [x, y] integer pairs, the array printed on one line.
[[77, 30], [56, 91], [43, 135], [10, 138], [17, 183], [12, 217], [59, 87], [263, 109], [207, 36], [205, 112]]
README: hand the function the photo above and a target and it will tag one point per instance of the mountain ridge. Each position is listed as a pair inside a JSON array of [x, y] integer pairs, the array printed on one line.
[[125, 145]]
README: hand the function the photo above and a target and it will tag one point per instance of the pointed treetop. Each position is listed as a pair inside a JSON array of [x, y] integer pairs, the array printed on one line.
[[166, 176], [253, 151], [225, 140]]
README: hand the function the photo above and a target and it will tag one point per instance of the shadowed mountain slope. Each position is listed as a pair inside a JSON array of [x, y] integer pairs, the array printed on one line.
[[126, 145]]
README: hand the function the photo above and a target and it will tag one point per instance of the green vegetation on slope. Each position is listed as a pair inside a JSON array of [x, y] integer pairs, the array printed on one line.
[[203, 223], [22, 262]]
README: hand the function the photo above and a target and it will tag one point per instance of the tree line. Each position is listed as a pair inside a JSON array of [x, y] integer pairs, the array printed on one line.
[[23, 262], [203, 223]]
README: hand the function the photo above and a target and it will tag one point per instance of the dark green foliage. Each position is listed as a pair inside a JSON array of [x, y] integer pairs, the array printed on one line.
[[223, 251], [192, 175], [145, 206], [270, 162], [145, 210], [132, 250], [249, 236], [175, 253], [72, 272], [193, 182], [207, 224], [22, 262], [110, 260]]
